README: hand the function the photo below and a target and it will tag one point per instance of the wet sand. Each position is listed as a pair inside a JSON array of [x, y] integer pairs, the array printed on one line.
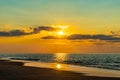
[[16, 71]]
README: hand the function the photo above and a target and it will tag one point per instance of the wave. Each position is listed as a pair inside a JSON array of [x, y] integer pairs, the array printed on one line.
[[105, 61]]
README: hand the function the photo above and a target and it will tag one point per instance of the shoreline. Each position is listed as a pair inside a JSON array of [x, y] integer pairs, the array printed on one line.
[[19, 67], [87, 71]]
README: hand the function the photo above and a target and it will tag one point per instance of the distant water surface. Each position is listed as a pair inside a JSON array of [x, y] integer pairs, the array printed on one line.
[[106, 61]]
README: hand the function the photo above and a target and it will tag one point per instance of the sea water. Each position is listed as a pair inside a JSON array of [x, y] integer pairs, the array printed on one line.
[[105, 61]]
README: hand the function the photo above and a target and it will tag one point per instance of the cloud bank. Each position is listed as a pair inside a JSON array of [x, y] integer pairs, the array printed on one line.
[[88, 37], [22, 32], [95, 37]]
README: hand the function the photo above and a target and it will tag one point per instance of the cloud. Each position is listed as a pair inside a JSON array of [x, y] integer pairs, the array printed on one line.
[[22, 32], [49, 37], [94, 37], [78, 37], [13, 33], [43, 28], [88, 37]]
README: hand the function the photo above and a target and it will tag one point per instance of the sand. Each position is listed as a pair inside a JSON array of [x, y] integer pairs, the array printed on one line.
[[88, 71], [16, 71]]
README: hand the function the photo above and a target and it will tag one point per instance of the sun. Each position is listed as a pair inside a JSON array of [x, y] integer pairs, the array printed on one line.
[[60, 33]]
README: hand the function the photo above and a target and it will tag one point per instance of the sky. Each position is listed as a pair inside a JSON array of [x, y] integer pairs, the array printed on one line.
[[59, 26]]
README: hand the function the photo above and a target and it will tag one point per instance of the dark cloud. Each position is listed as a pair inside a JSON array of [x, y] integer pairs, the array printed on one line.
[[13, 33], [18, 32], [87, 37], [94, 37], [44, 28], [4, 33], [49, 37], [78, 37], [22, 32]]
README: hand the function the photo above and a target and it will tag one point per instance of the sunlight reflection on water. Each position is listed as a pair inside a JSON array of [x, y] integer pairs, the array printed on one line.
[[60, 57]]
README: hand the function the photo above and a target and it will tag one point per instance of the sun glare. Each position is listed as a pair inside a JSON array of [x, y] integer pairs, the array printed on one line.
[[60, 33]]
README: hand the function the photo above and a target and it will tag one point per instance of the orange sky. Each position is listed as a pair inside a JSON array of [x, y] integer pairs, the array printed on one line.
[[60, 26]]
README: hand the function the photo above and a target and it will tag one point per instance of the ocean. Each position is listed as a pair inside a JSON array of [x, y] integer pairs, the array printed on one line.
[[105, 61]]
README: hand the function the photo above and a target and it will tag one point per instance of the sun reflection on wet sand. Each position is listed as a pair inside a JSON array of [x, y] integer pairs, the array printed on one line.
[[58, 66]]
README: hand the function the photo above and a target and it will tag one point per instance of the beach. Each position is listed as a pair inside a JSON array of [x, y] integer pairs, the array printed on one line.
[[14, 70]]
